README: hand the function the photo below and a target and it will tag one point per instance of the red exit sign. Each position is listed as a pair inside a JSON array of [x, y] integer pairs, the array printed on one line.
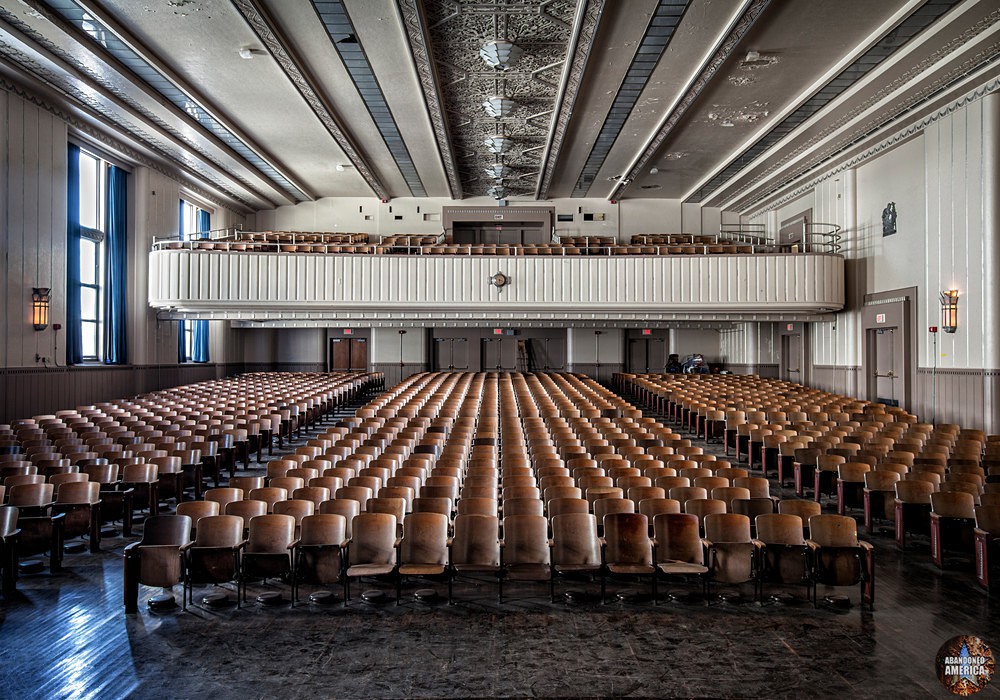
[[348, 331], [647, 331]]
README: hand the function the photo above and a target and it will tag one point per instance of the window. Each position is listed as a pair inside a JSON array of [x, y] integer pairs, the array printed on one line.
[[192, 339], [97, 224], [92, 223]]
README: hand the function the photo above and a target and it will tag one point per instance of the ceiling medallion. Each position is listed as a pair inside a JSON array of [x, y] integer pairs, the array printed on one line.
[[500, 54], [498, 170], [498, 144], [499, 107]]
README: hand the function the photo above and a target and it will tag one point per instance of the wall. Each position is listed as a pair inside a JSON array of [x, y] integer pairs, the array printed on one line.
[[33, 233], [368, 215], [687, 341], [750, 348], [942, 174]]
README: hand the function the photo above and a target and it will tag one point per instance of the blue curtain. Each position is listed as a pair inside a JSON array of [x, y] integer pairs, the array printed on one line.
[[181, 346], [199, 332], [116, 262], [74, 323]]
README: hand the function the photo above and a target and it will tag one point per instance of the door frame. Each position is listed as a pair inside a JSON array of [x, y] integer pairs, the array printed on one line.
[[800, 329], [898, 309]]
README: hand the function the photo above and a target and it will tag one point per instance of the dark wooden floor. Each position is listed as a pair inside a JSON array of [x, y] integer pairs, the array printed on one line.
[[66, 636]]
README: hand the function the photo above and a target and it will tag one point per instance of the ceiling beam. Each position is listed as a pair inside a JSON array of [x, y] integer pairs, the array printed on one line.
[[744, 19], [415, 22], [588, 17], [278, 45]]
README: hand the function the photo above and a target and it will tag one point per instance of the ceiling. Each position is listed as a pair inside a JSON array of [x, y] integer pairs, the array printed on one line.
[[271, 102]]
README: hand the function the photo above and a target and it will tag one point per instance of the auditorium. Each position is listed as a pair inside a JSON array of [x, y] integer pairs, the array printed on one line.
[[499, 348]]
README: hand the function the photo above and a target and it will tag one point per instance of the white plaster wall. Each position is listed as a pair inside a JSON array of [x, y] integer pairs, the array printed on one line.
[[294, 345], [687, 341], [385, 345], [368, 215], [583, 346]]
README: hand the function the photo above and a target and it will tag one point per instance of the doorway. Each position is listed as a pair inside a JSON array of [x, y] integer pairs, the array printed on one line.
[[889, 362], [794, 361], [349, 354], [647, 355], [499, 353], [451, 353]]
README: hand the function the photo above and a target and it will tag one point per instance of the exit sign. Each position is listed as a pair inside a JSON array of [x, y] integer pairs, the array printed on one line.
[[879, 318], [498, 331], [790, 327], [348, 331], [932, 329], [647, 331]]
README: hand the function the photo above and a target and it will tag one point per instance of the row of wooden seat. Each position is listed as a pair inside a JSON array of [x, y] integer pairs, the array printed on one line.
[[320, 550], [465, 249], [920, 477]]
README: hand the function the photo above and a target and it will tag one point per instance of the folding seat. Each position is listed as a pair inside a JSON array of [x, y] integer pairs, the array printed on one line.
[[423, 549], [731, 552], [987, 535], [576, 548], [214, 556], [839, 558], [9, 534], [628, 549], [525, 552], [952, 520], [157, 559], [269, 550], [677, 546], [785, 556], [727, 494], [475, 549]]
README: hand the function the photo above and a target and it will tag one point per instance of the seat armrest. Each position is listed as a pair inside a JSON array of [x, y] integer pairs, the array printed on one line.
[[186, 547], [867, 546], [813, 545], [293, 544], [758, 543], [707, 543]]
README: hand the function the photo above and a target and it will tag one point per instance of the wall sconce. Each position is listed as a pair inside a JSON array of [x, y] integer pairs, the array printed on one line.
[[40, 308], [949, 311]]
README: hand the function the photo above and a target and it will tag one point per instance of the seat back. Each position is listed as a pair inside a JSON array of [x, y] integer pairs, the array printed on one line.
[[475, 542], [776, 528], [224, 496], [526, 539], [30, 495], [575, 541], [627, 537], [298, 508], [565, 506], [323, 529], [198, 510], [8, 520], [522, 506], [727, 527], [953, 504], [477, 506], [79, 492], [247, 509], [425, 539], [271, 534], [219, 531], [800, 507], [346, 507], [678, 538], [833, 531]]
